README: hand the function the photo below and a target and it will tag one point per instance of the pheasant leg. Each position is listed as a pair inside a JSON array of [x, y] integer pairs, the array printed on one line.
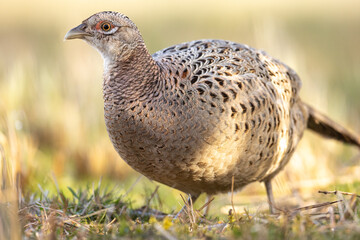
[[270, 195]]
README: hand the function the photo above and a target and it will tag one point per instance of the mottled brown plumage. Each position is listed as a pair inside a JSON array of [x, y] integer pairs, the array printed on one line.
[[195, 114]]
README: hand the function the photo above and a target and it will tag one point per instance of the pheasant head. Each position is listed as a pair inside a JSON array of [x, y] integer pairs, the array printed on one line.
[[113, 34]]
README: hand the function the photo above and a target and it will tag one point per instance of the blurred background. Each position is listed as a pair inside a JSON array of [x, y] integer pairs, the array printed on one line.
[[51, 109]]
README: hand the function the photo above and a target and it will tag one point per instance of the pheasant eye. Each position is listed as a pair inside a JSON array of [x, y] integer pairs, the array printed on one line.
[[106, 26]]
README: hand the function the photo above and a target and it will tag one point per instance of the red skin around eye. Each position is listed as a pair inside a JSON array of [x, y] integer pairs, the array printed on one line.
[[98, 25]]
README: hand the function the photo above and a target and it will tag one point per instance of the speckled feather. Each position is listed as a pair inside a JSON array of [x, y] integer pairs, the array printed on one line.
[[195, 114], [219, 109]]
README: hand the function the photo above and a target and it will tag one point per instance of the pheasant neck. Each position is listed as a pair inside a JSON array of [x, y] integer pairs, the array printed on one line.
[[135, 78]]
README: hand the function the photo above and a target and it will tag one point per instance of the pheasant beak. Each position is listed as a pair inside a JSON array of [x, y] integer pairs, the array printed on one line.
[[77, 32]]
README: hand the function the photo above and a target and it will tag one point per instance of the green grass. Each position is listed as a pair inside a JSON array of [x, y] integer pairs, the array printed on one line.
[[97, 212]]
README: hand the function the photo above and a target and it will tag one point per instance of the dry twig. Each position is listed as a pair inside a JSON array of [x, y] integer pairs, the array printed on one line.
[[336, 192], [148, 202], [232, 197]]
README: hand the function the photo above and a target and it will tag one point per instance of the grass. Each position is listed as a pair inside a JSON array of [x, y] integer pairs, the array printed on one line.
[[53, 137], [98, 212]]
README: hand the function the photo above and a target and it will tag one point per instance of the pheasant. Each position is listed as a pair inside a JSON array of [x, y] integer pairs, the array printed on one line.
[[202, 115]]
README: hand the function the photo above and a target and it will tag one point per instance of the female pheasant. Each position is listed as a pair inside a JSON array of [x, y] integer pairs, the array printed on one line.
[[196, 114]]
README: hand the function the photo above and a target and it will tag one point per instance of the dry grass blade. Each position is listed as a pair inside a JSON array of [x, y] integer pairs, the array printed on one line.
[[95, 213], [247, 214], [336, 192], [296, 210], [133, 185], [332, 218], [349, 211], [74, 223], [206, 204], [232, 197], [351, 208], [186, 205], [185, 202], [189, 209], [341, 206], [9, 222], [110, 223], [148, 202]]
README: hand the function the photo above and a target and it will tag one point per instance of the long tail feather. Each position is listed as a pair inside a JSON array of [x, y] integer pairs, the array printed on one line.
[[323, 125]]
